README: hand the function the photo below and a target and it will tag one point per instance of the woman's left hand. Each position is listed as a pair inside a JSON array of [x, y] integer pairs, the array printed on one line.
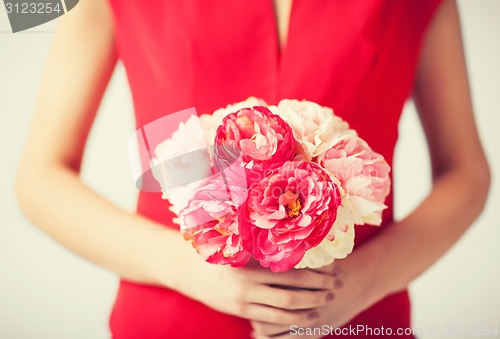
[[355, 290]]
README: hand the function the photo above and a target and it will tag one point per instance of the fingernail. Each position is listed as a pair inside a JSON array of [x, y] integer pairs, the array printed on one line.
[[313, 315], [338, 283], [336, 271], [329, 296]]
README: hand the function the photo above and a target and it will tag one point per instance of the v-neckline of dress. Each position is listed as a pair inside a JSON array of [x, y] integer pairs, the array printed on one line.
[[281, 46]]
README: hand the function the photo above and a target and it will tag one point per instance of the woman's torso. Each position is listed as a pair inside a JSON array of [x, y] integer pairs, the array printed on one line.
[[358, 57]]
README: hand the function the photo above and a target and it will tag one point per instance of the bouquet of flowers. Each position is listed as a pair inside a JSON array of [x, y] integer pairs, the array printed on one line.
[[285, 184]]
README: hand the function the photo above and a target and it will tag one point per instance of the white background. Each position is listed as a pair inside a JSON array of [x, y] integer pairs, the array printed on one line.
[[48, 292]]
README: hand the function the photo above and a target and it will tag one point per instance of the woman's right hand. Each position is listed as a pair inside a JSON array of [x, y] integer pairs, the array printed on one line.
[[258, 294]]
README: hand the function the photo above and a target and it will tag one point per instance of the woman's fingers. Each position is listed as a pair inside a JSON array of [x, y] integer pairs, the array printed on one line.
[[288, 299], [277, 316], [297, 278], [267, 329], [332, 269], [285, 335], [270, 331]]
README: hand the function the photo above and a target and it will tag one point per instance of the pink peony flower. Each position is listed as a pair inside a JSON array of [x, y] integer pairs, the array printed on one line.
[[249, 102], [211, 122], [256, 136], [314, 127], [289, 211], [211, 221], [363, 174]]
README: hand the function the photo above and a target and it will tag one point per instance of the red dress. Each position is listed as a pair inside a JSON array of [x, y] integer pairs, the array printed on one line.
[[358, 57]]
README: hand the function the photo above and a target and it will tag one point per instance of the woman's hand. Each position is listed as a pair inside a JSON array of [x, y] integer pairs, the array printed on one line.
[[354, 290], [257, 294]]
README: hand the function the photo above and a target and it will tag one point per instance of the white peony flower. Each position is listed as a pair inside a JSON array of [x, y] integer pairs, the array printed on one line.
[[182, 163], [315, 127], [337, 244], [340, 240]]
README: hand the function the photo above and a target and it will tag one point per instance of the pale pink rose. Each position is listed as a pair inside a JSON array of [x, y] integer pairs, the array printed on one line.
[[289, 211], [314, 127], [179, 197], [256, 138], [210, 221], [363, 174]]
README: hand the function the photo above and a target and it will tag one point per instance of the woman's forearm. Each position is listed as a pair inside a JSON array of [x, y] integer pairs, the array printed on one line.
[[407, 248], [81, 62], [461, 174], [138, 249]]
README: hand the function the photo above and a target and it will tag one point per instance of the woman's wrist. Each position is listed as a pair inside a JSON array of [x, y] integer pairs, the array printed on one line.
[[365, 264], [162, 254], [380, 260]]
